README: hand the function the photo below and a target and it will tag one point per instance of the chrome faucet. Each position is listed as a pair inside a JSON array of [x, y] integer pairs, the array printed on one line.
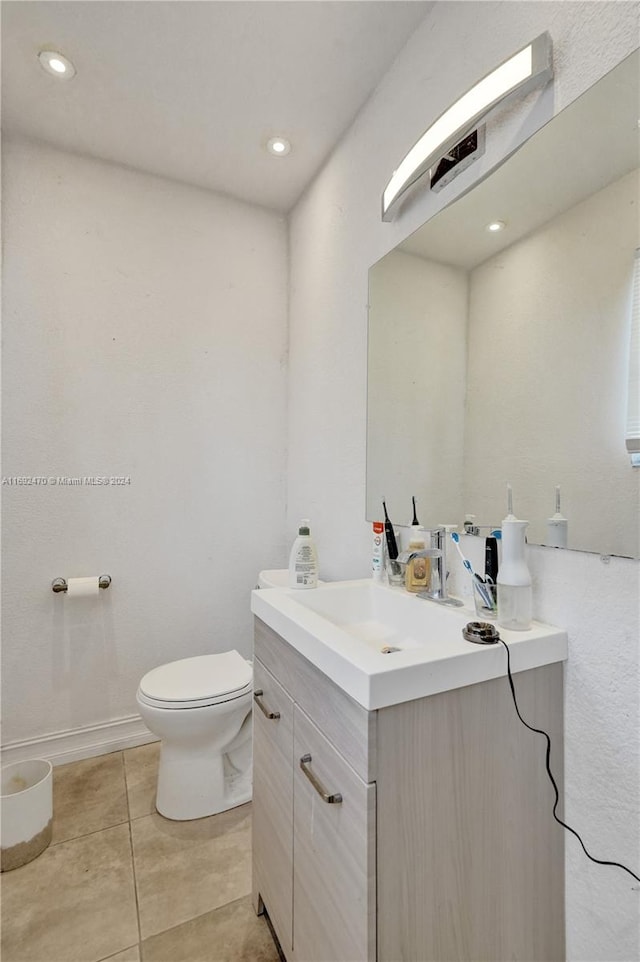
[[437, 590]]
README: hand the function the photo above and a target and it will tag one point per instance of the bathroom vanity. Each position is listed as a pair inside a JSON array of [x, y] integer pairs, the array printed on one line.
[[403, 828]]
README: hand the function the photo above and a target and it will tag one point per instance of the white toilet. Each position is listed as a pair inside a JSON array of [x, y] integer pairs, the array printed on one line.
[[200, 708]]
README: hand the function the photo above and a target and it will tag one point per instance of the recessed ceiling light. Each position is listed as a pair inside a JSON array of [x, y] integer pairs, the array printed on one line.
[[495, 226], [57, 64], [278, 146]]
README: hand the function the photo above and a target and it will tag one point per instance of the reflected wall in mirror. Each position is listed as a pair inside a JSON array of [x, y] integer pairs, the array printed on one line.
[[503, 357]]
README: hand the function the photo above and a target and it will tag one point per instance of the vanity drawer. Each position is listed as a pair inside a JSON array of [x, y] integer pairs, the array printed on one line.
[[349, 726], [334, 890]]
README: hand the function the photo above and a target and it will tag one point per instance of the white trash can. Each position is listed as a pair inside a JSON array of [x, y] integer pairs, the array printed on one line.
[[26, 811]]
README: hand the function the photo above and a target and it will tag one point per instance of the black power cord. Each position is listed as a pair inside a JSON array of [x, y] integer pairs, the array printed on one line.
[[539, 731]]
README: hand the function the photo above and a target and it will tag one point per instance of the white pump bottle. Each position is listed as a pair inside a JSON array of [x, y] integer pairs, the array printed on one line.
[[303, 561], [514, 578]]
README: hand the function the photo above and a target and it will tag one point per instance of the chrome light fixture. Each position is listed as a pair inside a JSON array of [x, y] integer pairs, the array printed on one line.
[[531, 67]]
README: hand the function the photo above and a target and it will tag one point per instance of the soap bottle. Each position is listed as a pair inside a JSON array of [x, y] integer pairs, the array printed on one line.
[[303, 561], [418, 571], [514, 579]]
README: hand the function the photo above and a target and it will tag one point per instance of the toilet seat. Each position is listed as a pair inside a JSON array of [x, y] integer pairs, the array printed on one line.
[[197, 682]]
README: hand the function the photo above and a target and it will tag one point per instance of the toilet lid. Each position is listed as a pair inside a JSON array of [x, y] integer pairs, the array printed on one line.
[[195, 679]]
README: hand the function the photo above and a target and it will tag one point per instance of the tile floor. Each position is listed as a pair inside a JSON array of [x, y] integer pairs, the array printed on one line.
[[119, 882]]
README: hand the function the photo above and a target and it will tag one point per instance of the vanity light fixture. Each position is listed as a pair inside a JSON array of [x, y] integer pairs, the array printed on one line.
[[278, 146], [495, 226], [56, 64], [531, 67]]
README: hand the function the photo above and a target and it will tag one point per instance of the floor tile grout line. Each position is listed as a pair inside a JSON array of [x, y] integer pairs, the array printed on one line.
[[109, 958], [96, 831], [133, 858], [153, 811], [193, 918], [126, 787], [135, 889]]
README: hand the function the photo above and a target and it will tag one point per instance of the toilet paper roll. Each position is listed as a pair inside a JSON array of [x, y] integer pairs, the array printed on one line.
[[83, 587]]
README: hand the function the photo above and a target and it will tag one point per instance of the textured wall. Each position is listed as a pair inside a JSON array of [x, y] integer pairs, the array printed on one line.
[[336, 235], [417, 324], [144, 335]]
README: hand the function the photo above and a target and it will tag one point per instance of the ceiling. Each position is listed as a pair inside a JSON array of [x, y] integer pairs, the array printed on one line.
[[193, 89]]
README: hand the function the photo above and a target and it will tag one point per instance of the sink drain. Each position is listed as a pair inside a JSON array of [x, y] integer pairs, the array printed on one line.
[[388, 649]]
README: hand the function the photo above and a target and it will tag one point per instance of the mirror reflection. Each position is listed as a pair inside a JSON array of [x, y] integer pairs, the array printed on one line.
[[502, 357]]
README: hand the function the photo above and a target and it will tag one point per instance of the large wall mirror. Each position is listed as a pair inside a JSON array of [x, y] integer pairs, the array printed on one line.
[[503, 357]]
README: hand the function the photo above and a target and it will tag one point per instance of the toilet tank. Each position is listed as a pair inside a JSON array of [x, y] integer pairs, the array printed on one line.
[[274, 578]]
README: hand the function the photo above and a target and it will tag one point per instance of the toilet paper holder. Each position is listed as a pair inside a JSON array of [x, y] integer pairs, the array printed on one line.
[[60, 584]]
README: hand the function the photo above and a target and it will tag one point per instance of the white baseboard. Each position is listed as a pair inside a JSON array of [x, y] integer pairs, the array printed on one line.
[[78, 743]]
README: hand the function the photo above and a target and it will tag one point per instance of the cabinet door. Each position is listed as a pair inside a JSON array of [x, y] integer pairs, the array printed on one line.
[[334, 895], [273, 802]]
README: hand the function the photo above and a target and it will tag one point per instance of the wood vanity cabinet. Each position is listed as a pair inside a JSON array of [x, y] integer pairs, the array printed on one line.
[[313, 860], [442, 845]]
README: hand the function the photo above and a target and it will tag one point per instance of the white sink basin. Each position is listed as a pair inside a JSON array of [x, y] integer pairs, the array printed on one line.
[[343, 627]]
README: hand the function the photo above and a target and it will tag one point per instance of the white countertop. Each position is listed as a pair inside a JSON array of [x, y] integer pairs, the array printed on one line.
[[341, 627]]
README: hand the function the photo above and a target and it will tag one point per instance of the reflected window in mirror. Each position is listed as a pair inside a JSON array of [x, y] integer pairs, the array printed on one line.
[[632, 438]]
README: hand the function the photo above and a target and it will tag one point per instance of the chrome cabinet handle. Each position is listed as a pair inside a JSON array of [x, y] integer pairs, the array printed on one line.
[[265, 711], [331, 799]]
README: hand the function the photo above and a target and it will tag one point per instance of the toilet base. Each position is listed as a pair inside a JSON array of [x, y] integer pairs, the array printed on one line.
[[240, 795], [194, 784]]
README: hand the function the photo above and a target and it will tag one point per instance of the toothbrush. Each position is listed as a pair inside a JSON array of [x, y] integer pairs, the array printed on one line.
[[482, 586], [392, 546], [510, 515], [558, 516]]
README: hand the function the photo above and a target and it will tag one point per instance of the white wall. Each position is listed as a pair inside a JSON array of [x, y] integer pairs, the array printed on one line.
[[145, 336], [417, 353], [336, 234]]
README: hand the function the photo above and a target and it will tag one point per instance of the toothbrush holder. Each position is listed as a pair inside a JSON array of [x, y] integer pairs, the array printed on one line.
[[485, 600], [395, 573]]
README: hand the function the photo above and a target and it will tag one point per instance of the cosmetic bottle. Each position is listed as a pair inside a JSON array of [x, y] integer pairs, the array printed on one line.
[[514, 579], [418, 571], [303, 561], [377, 556]]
